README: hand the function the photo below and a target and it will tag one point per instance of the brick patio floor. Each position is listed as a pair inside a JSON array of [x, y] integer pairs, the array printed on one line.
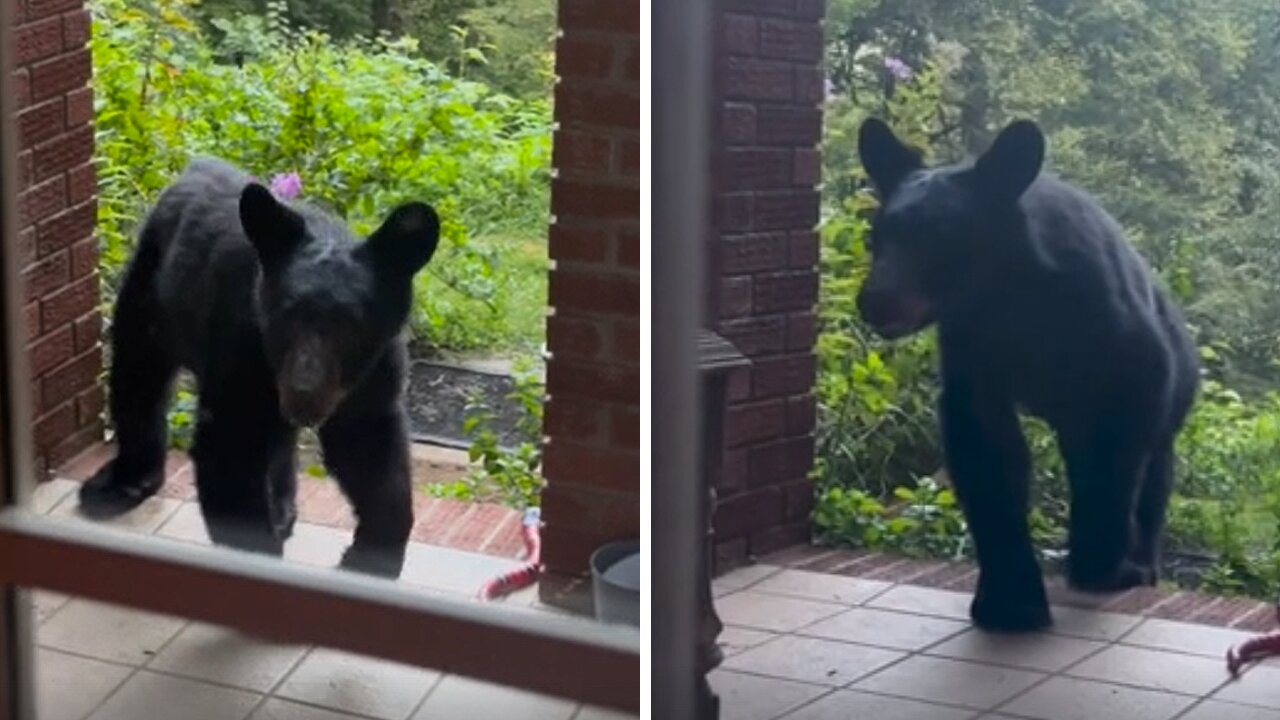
[[103, 662], [815, 634]]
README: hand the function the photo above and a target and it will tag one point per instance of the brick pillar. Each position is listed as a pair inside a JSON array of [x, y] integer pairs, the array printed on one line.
[[592, 421], [763, 254], [57, 209]]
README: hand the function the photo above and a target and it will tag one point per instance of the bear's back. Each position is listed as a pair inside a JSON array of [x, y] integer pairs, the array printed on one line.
[[205, 266]]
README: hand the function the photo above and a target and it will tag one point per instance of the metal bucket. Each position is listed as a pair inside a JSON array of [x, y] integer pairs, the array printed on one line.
[[615, 582]]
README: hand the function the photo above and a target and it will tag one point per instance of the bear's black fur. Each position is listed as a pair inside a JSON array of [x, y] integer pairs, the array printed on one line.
[[285, 321], [1041, 306]]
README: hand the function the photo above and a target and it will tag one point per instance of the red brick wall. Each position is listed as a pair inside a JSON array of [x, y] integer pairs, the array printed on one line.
[[763, 256], [56, 213], [592, 421]]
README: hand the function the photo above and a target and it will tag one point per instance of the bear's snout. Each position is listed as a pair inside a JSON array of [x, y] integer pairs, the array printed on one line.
[[306, 409], [893, 314], [308, 385]]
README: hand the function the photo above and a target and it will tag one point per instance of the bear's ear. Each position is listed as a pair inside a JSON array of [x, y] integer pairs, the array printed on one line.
[[406, 240], [273, 229], [886, 159], [1013, 161]]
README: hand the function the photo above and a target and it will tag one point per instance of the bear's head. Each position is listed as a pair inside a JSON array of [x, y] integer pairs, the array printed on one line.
[[328, 305], [931, 238]]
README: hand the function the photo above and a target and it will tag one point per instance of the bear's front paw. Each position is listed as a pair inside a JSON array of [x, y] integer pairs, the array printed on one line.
[[1009, 612], [111, 493]]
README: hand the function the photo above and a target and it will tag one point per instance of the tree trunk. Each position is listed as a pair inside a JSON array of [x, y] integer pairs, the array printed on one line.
[[386, 18]]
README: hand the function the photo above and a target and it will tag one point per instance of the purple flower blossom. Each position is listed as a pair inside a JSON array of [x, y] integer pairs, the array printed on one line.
[[287, 186], [898, 69]]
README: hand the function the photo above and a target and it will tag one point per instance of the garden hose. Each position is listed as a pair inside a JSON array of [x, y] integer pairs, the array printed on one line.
[[526, 574]]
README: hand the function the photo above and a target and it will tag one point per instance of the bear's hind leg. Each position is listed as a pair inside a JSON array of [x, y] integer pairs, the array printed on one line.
[[1106, 475], [141, 376], [370, 458], [1149, 514]]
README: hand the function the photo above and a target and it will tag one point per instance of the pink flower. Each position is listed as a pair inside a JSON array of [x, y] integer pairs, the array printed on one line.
[[287, 186], [897, 68]]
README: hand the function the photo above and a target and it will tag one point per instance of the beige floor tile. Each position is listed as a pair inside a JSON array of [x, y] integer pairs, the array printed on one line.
[[460, 697], [749, 697], [358, 684], [107, 632], [146, 518], [1036, 651], [772, 612], [316, 545], [812, 660], [451, 570], [161, 697], [1064, 698], [594, 713], [938, 680], [734, 640], [1259, 685], [1091, 624], [853, 705], [1184, 637], [186, 524], [68, 687], [885, 628], [277, 709], [45, 603], [46, 495], [220, 655], [1154, 669], [1214, 710], [744, 577], [925, 601], [821, 586], [719, 591]]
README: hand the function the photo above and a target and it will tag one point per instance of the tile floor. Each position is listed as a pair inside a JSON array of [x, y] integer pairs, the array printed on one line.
[[102, 662], [804, 645]]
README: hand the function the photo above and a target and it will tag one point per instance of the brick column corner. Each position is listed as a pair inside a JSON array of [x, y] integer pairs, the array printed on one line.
[[592, 420], [762, 268], [57, 211]]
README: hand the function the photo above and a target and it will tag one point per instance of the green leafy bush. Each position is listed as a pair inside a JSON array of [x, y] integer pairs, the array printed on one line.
[[365, 124]]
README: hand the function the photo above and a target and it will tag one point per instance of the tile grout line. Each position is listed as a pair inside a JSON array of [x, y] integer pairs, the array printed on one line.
[[801, 706], [432, 687], [1120, 640], [1063, 672], [925, 651], [1049, 677], [136, 670]]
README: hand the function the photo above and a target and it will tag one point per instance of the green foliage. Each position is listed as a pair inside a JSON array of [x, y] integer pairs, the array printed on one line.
[[521, 34], [505, 43], [1167, 111], [182, 419], [366, 124], [508, 475], [923, 520], [1151, 119]]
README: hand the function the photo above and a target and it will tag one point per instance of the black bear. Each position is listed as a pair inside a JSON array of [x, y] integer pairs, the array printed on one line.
[[285, 321], [1041, 306]]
